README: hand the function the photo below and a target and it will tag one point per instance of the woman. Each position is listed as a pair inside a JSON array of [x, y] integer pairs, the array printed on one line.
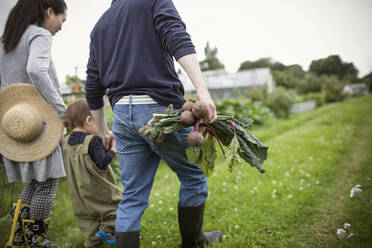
[[25, 57]]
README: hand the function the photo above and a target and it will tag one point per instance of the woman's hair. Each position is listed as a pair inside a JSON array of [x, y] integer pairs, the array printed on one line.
[[24, 13], [76, 114]]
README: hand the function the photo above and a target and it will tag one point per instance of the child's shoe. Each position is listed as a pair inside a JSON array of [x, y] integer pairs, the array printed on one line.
[[109, 238]]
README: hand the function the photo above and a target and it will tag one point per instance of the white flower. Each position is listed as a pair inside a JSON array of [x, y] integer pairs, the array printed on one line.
[[350, 235], [317, 182], [165, 223], [158, 237], [160, 202], [214, 174], [301, 188], [224, 183], [236, 226], [224, 237], [355, 190], [274, 182], [287, 174], [224, 190], [236, 188], [289, 196], [347, 225], [235, 209], [307, 175], [152, 205], [153, 243], [341, 233], [171, 209], [157, 194]]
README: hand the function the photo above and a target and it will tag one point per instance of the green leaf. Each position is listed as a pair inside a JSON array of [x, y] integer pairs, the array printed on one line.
[[209, 155], [194, 154], [232, 157]]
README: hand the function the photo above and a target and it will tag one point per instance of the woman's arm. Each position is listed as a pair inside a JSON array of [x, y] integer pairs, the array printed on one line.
[[37, 68]]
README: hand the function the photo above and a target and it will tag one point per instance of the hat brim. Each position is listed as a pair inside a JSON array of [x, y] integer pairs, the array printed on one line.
[[43, 145]]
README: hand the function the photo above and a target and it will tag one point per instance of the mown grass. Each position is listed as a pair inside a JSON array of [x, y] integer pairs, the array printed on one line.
[[314, 160]]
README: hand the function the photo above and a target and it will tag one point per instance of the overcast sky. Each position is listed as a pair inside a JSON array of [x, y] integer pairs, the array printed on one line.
[[289, 31]]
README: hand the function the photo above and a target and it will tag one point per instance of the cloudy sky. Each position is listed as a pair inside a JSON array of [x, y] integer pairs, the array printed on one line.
[[289, 31]]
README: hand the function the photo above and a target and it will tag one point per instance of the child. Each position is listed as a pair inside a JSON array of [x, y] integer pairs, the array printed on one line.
[[93, 191]]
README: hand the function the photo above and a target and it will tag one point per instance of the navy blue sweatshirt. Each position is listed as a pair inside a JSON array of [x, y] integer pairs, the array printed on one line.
[[95, 150], [131, 53]]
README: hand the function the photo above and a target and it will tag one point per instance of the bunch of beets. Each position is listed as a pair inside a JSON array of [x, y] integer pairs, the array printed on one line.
[[226, 130]]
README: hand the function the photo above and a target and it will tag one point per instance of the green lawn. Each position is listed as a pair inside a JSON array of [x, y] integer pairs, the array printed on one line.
[[315, 158]]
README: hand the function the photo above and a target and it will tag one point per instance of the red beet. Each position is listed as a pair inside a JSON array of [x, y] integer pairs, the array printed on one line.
[[195, 139]]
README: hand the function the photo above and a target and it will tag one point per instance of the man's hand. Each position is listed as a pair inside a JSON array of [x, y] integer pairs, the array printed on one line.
[[103, 131], [203, 95], [191, 66], [108, 140]]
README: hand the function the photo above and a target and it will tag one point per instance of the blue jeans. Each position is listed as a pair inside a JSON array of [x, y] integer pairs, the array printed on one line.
[[139, 159]]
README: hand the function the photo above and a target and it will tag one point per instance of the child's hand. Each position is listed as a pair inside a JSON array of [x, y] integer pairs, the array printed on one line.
[[113, 146]]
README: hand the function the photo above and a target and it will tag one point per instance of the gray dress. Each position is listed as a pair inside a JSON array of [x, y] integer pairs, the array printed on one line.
[[30, 62]]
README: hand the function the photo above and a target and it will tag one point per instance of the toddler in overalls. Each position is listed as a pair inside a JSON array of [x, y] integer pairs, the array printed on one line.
[[92, 186]]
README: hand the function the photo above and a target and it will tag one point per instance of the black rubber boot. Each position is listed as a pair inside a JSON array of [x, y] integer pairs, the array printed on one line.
[[190, 220], [127, 239]]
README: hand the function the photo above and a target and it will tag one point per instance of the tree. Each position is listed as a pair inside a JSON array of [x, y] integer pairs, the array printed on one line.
[[211, 62], [333, 65], [262, 62], [368, 80]]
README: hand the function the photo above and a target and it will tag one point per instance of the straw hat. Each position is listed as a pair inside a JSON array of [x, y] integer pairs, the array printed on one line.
[[30, 128]]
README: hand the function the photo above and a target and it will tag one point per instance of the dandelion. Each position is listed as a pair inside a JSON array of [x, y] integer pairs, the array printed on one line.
[[355, 190], [341, 233]]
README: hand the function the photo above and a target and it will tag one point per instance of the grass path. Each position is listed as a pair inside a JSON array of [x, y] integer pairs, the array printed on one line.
[[315, 158]]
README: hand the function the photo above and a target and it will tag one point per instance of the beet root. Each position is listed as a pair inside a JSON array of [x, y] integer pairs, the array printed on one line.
[[195, 139], [187, 106], [187, 118], [200, 110]]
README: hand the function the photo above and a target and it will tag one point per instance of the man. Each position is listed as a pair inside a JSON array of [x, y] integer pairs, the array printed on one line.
[[131, 55]]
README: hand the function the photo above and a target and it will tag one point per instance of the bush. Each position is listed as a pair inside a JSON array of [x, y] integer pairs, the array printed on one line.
[[317, 97], [280, 102], [311, 83], [255, 110], [333, 89]]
